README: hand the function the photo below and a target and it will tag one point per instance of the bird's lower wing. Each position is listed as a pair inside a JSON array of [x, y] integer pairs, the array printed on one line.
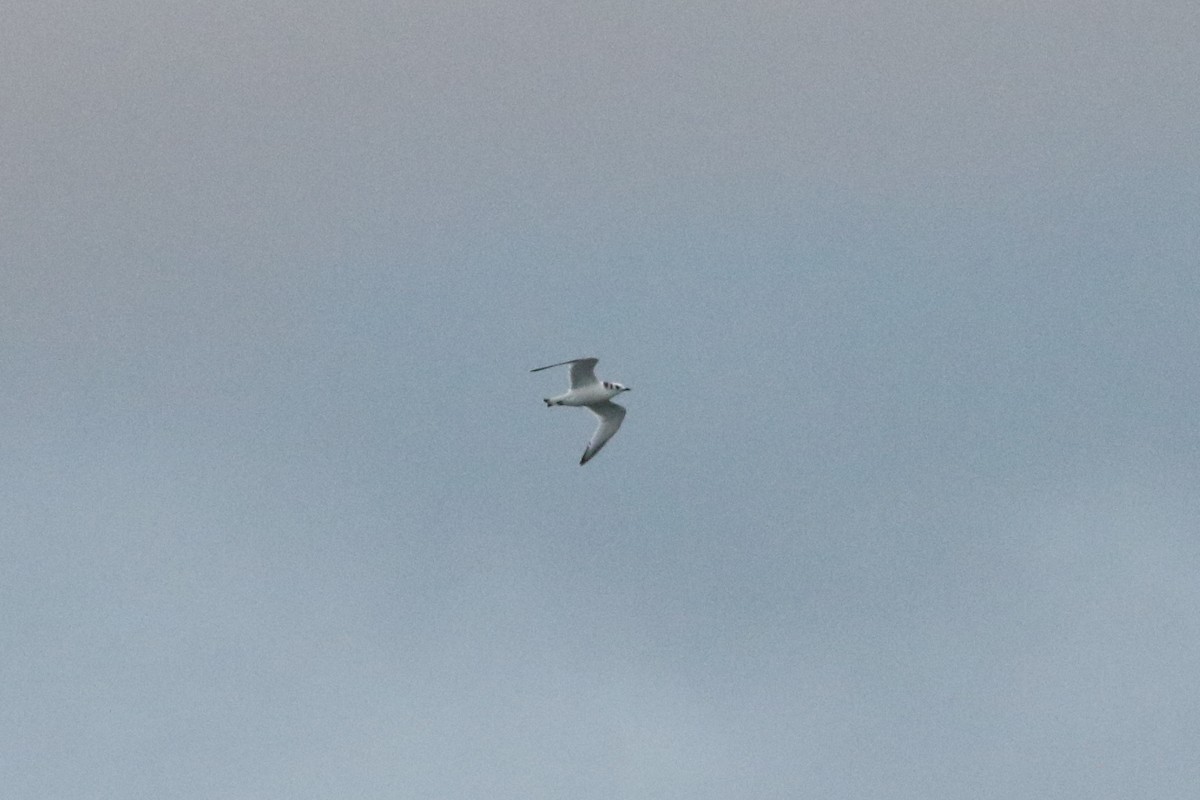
[[611, 416]]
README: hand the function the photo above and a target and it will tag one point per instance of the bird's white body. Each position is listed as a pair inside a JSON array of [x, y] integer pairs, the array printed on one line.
[[585, 396], [593, 394]]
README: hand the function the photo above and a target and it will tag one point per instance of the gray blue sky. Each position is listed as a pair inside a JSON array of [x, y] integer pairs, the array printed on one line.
[[905, 503]]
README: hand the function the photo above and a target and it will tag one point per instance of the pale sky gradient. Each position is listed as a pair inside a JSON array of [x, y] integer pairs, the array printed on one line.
[[905, 504]]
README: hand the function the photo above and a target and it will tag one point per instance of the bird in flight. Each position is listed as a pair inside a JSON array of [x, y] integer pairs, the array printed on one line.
[[593, 394]]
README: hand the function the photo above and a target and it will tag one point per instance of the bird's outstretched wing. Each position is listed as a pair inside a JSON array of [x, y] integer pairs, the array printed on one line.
[[582, 371], [611, 416]]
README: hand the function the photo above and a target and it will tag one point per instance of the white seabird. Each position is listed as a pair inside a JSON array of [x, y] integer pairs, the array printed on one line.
[[593, 394]]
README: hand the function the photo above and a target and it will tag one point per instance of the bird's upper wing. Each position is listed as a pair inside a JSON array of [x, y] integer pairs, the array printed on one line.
[[611, 416], [582, 371]]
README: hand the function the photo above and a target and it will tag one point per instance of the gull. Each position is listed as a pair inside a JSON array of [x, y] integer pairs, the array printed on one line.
[[593, 394]]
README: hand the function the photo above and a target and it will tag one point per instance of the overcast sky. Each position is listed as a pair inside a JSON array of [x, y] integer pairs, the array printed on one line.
[[905, 504]]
